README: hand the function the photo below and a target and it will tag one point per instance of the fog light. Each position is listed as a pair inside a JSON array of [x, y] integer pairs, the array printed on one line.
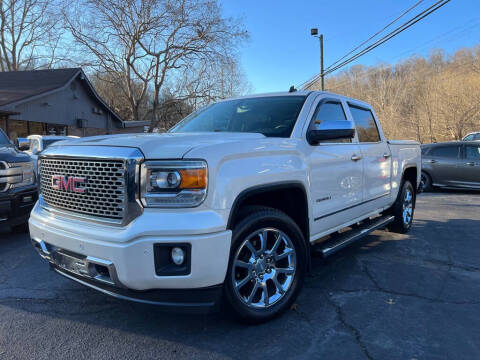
[[178, 256]]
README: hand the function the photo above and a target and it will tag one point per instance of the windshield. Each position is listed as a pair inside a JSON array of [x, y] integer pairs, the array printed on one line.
[[271, 116], [4, 139]]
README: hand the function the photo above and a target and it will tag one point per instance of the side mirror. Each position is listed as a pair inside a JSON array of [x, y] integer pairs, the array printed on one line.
[[22, 144], [330, 130]]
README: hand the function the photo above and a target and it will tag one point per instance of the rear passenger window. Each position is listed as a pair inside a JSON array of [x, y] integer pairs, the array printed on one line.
[[365, 123], [445, 151], [472, 152]]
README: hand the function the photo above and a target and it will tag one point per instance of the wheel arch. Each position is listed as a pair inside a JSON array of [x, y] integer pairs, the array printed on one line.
[[271, 194], [411, 174], [289, 197], [428, 173]]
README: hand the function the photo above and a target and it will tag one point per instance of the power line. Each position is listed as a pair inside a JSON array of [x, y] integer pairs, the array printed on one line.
[[378, 32], [392, 34], [456, 30], [382, 40]]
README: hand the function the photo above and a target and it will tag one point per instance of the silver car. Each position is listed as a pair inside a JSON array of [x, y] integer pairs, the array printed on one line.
[[472, 136], [453, 164]]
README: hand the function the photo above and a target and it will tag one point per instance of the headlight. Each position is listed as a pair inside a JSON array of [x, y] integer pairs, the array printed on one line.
[[173, 183], [28, 175]]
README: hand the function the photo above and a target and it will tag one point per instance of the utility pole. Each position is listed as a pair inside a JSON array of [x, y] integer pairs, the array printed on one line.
[[314, 32], [322, 75]]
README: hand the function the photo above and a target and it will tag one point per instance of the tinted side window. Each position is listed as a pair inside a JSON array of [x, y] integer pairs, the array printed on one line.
[[476, 137], [445, 151], [329, 111], [472, 152], [365, 123], [469, 137]]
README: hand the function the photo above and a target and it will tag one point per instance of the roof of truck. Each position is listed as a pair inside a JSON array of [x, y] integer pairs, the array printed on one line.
[[302, 93]]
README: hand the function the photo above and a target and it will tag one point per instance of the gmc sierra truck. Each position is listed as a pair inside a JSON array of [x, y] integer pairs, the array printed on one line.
[[18, 190], [227, 205]]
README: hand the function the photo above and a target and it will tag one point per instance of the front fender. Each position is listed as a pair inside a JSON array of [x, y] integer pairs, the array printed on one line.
[[249, 164]]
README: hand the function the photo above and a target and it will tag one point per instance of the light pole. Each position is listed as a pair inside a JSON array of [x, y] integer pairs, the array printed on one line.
[[314, 32]]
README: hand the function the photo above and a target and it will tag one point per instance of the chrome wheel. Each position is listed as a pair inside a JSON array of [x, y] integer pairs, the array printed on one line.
[[407, 207], [264, 268]]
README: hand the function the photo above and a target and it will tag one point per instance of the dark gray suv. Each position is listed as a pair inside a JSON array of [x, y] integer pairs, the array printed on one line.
[[451, 164]]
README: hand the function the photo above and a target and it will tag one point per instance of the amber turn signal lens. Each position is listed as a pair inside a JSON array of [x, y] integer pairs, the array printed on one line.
[[193, 178]]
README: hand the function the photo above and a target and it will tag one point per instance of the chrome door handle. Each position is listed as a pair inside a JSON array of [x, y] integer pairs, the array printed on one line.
[[386, 155], [431, 161], [355, 157], [470, 163]]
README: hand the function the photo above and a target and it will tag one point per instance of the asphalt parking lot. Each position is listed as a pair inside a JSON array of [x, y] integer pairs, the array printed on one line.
[[390, 296]]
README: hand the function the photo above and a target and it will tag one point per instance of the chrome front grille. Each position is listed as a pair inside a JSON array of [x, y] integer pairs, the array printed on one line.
[[104, 193], [9, 175]]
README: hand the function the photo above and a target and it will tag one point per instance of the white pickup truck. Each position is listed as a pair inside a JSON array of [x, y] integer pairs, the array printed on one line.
[[227, 205]]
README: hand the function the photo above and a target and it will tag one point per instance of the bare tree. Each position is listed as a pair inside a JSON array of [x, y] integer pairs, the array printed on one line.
[[151, 43], [182, 32], [110, 87], [107, 33], [30, 34]]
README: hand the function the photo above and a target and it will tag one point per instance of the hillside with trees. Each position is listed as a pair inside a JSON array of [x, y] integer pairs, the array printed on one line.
[[430, 99]]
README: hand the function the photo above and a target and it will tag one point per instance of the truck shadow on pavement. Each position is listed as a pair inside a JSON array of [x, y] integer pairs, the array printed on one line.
[[365, 301]]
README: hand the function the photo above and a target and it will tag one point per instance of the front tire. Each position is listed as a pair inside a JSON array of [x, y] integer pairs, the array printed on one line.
[[267, 265], [403, 209]]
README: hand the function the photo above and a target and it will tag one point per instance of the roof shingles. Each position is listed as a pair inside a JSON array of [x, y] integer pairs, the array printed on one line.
[[19, 85]]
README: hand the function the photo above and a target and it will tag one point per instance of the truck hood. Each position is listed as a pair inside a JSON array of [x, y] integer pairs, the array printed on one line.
[[10, 154], [161, 146]]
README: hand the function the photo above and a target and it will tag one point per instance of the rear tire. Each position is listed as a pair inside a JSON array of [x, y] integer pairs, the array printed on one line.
[[403, 209], [426, 182], [267, 265]]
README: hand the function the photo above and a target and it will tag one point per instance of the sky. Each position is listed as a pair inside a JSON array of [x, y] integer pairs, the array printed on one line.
[[281, 52]]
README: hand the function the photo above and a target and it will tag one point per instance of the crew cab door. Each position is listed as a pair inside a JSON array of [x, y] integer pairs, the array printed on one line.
[[470, 167], [377, 161], [444, 164], [335, 172]]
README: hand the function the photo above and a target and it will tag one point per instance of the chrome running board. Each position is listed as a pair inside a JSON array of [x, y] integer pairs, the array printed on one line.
[[339, 241]]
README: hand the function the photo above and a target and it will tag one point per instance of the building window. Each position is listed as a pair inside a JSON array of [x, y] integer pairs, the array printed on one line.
[[17, 128], [56, 129], [36, 128]]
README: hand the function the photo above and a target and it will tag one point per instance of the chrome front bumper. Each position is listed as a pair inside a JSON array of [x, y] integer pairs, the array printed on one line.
[[100, 275], [87, 267]]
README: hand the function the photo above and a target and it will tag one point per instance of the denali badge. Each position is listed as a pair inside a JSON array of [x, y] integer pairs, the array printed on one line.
[[68, 183]]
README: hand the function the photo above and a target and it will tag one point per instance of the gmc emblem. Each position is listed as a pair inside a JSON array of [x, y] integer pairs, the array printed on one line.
[[68, 183]]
